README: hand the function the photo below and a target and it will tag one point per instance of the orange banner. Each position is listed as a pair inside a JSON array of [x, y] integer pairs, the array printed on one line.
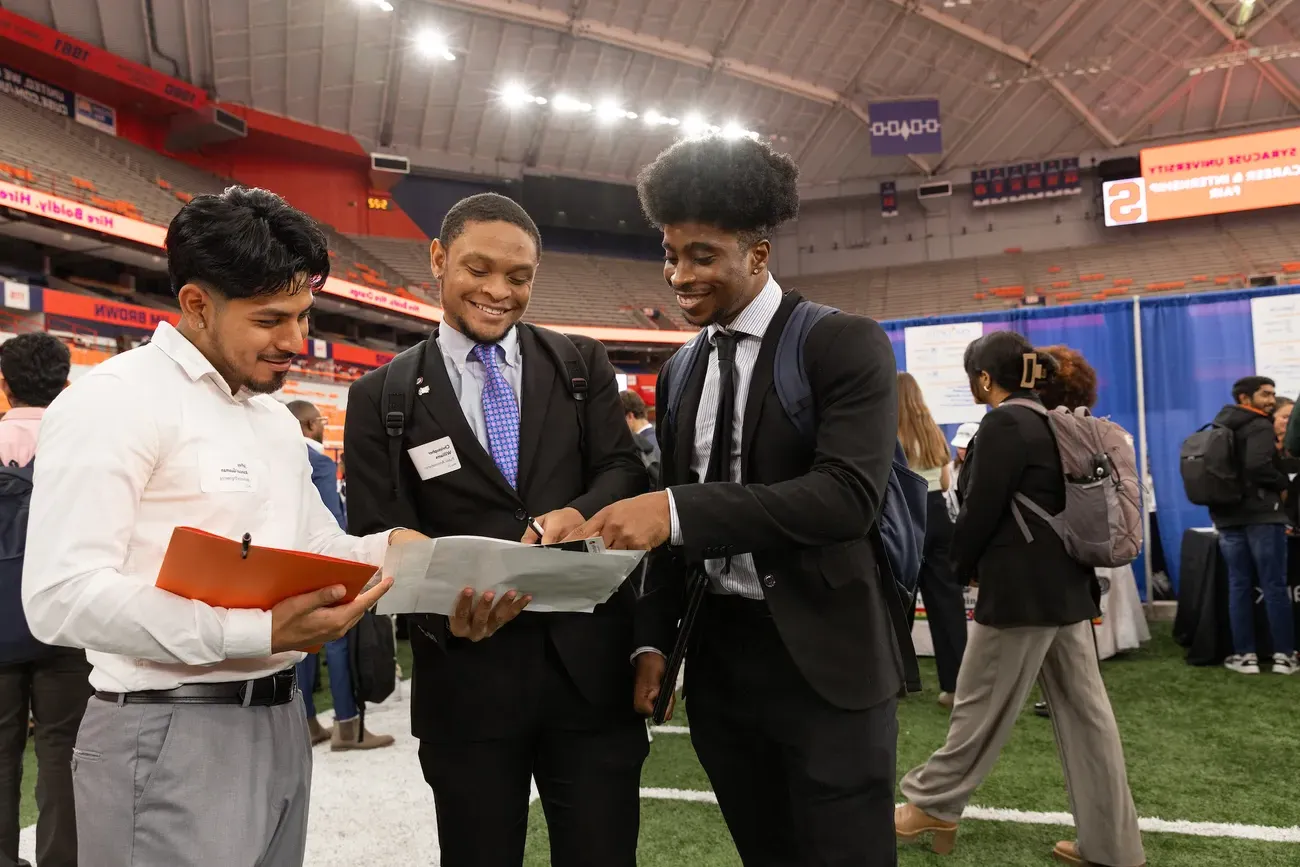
[[1216, 176], [90, 309]]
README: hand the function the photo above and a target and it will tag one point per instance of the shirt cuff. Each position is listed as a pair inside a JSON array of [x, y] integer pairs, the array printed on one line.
[[641, 650], [247, 633], [675, 534], [375, 546]]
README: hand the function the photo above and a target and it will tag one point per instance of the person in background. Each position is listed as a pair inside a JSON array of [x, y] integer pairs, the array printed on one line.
[[347, 733], [643, 433], [194, 748], [1033, 620], [961, 445], [1252, 532], [945, 607], [1281, 419], [49, 685]]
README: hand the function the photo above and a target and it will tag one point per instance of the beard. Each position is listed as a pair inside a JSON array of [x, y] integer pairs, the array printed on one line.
[[267, 386]]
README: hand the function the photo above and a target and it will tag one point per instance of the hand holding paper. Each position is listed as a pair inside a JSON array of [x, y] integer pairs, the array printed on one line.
[[482, 620]]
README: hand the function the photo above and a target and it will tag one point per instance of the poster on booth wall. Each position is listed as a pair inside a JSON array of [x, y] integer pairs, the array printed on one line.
[[1275, 321], [934, 355]]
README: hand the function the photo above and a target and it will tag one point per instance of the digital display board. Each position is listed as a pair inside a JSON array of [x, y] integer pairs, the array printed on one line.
[[1215, 176]]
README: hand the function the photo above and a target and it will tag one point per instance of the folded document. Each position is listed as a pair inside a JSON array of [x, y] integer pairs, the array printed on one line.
[[429, 577]]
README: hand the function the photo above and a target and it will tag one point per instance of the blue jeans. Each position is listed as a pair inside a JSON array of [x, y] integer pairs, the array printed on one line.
[[336, 660], [1257, 552]]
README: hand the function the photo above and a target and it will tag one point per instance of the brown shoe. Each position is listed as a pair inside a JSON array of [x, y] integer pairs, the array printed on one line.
[[319, 734], [348, 735], [910, 822], [947, 699], [1067, 852]]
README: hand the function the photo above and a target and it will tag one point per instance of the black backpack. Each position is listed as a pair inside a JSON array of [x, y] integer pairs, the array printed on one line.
[[16, 642], [1208, 464], [372, 659]]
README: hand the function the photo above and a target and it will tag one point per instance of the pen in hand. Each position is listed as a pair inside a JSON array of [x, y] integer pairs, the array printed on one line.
[[536, 528]]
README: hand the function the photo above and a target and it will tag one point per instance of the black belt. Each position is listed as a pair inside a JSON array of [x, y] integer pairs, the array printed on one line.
[[274, 689]]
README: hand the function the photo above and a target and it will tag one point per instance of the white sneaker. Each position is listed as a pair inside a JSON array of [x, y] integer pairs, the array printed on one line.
[[1242, 663], [1283, 664]]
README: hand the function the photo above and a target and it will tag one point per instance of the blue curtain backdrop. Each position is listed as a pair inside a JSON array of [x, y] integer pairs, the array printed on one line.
[[1102, 332], [1194, 347]]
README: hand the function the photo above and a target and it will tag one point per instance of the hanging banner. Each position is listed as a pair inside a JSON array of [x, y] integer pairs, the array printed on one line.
[[979, 188], [96, 115], [1016, 183], [89, 309], [32, 90], [905, 127], [1033, 180], [934, 355], [66, 211], [888, 199]]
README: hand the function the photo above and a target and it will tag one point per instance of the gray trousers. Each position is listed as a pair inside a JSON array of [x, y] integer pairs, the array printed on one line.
[[182, 785], [996, 675]]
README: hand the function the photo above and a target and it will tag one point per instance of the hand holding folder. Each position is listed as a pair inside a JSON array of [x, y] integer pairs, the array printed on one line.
[[225, 573]]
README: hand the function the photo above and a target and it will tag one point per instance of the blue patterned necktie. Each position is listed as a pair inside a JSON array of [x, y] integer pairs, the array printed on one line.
[[500, 413]]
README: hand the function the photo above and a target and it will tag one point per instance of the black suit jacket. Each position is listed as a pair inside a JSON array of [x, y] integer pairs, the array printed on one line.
[[1020, 583], [803, 512], [464, 688]]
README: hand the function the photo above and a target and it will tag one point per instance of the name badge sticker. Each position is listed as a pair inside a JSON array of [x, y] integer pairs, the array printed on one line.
[[222, 472], [435, 458]]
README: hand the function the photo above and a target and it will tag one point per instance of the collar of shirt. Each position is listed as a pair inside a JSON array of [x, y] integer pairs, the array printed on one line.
[[24, 413], [757, 315], [460, 349], [187, 356], [314, 446]]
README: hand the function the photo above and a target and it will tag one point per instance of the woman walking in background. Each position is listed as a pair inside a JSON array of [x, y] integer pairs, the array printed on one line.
[[945, 607], [1032, 620]]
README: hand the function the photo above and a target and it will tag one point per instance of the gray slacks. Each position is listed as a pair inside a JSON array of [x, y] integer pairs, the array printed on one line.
[[996, 675], [185, 785]]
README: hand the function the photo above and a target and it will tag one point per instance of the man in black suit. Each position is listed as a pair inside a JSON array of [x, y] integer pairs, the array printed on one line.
[[548, 696], [793, 671]]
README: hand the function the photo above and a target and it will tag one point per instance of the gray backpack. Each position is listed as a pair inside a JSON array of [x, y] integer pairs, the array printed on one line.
[[1101, 524]]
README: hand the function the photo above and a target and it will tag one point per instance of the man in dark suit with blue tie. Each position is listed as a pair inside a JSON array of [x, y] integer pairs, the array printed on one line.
[[346, 734], [508, 424]]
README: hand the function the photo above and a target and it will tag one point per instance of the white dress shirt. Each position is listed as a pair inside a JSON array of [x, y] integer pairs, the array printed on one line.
[[748, 327], [143, 443], [468, 375]]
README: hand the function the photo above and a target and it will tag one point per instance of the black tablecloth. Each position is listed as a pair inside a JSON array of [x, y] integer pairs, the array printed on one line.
[[1202, 623]]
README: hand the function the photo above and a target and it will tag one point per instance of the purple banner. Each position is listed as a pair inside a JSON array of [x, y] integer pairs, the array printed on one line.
[[888, 199], [905, 127]]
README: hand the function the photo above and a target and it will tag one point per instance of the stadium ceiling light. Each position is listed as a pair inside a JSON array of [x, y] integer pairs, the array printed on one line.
[[693, 124], [381, 4], [515, 95], [609, 111], [564, 102], [433, 45]]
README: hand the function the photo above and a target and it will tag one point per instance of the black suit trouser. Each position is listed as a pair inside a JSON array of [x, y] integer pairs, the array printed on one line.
[[587, 765], [945, 604], [54, 690], [801, 783]]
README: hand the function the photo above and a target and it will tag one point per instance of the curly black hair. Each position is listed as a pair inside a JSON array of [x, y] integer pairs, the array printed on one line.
[[738, 185], [246, 243], [35, 367]]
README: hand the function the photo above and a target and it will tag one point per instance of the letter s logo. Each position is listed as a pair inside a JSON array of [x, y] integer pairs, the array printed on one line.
[[1125, 202]]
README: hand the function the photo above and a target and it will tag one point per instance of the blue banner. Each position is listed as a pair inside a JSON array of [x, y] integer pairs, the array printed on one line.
[[905, 127], [888, 199], [22, 86], [96, 115]]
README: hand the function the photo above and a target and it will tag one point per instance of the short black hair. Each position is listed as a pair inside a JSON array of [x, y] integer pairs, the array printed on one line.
[[246, 243], [632, 403], [738, 185], [1002, 355], [1248, 385], [303, 410], [487, 208], [35, 367]]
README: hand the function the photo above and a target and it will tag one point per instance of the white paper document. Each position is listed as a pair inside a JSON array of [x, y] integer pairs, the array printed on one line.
[[428, 577]]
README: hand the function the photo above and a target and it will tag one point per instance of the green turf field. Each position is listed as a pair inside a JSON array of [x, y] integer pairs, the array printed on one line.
[[1203, 745]]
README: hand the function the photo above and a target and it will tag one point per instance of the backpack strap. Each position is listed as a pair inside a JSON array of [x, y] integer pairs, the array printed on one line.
[[567, 358], [682, 366], [396, 404], [790, 374]]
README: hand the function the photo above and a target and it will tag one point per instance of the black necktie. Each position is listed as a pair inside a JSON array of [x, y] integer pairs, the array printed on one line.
[[719, 469]]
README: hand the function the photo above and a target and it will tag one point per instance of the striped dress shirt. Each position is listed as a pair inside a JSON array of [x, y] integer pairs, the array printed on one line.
[[748, 327]]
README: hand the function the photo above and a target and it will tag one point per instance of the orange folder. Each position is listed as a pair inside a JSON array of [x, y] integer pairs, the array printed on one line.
[[210, 569]]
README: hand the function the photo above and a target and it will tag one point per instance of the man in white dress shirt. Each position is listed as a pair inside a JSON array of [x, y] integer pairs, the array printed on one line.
[[194, 750]]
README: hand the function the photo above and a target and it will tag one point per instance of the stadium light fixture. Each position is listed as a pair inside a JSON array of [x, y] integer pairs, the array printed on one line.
[[384, 5], [513, 94], [565, 103], [694, 125], [433, 45], [610, 111]]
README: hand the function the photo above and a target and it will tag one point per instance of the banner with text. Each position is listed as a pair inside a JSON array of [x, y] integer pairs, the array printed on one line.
[[934, 354], [1275, 322], [905, 127], [39, 93], [96, 115]]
